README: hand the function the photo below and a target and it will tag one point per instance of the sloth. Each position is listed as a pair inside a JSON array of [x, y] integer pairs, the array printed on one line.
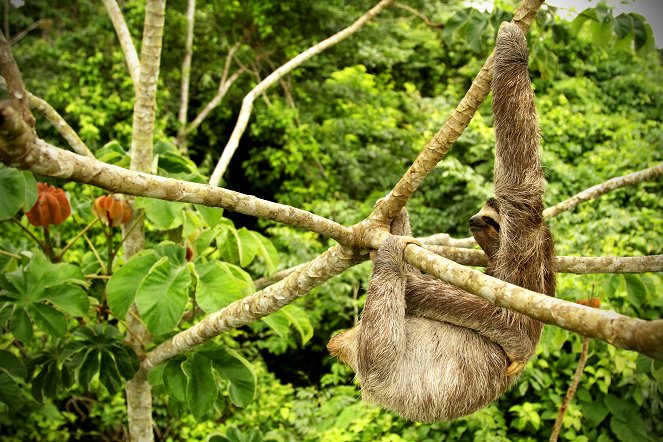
[[428, 350]]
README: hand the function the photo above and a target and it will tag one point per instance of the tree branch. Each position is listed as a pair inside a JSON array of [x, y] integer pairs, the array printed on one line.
[[186, 75], [605, 187], [45, 159], [571, 391], [425, 19], [247, 102], [260, 304], [608, 326], [15, 86], [126, 42], [439, 145], [578, 265], [66, 131]]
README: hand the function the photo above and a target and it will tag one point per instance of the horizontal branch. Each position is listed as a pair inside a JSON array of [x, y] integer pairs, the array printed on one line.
[[565, 264], [44, 159], [258, 305], [605, 187], [444, 239], [607, 325]]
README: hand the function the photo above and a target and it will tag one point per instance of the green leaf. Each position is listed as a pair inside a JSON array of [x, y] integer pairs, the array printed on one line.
[[12, 365], [175, 253], [278, 322], [126, 359], [247, 246], [113, 153], [20, 325], [109, 375], [162, 295], [237, 371], [211, 215], [48, 319], [70, 299], [627, 431], [10, 392], [18, 190], [174, 380], [88, 368], [164, 215], [121, 288], [636, 289], [300, 321], [622, 25], [201, 389], [217, 286], [267, 252]]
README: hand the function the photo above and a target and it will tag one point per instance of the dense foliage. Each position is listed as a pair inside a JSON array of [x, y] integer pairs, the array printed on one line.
[[332, 138]]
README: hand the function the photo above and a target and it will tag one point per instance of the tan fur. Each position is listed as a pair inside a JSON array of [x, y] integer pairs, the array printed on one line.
[[428, 350]]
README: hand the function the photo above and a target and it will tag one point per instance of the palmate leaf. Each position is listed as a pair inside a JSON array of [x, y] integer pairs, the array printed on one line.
[[162, 295]]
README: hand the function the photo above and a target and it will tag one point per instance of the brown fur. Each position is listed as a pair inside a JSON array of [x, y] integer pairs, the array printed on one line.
[[430, 351]]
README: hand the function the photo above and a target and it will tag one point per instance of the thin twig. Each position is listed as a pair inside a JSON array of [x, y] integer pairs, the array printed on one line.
[[26, 230], [76, 238], [96, 254], [11, 255], [572, 390]]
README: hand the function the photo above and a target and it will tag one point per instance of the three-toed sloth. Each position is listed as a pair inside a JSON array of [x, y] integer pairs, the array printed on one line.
[[428, 350]]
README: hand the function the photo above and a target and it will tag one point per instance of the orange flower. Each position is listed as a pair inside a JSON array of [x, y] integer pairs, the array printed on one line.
[[52, 206], [112, 211]]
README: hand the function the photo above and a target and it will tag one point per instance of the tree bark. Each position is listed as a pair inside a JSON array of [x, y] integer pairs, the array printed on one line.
[[126, 42], [138, 389], [186, 75]]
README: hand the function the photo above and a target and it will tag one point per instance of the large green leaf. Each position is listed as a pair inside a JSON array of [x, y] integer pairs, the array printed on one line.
[[174, 379], [201, 389], [48, 319], [278, 322], [20, 325], [12, 365], [636, 289], [69, 298], [217, 286], [121, 288], [165, 215], [267, 252], [237, 371], [162, 295], [300, 320], [18, 190], [211, 215], [109, 375]]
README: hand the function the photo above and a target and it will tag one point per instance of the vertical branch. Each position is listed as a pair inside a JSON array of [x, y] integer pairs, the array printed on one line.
[[9, 71], [139, 393], [127, 44], [186, 75], [274, 77]]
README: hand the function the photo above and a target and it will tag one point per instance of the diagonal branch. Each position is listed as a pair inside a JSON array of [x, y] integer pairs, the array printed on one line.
[[224, 86], [606, 325], [651, 173], [274, 77], [126, 42], [441, 142], [66, 131], [260, 304]]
